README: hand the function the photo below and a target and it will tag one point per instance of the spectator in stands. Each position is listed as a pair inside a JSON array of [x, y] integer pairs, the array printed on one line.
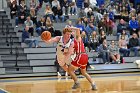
[[41, 26], [49, 12], [94, 42], [33, 4], [132, 13], [73, 8], [123, 46], [65, 7], [59, 15], [114, 52], [90, 28], [101, 25], [33, 15], [49, 25], [85, 4], [21, 17], [85, 41], [133, 25], [41, 3], [92, 20], [104, 51], [120, 27], [13, 9], [85, 21], [69, 24], [108, 25], [29, 23], [102, 10], [134, 44], [124, 14], [82, 14], [26, 38], [55, 4], [97, 16], [102, 36], [90, 13], [23, 6], [86, 10], [125, 34], [80, 25], [111, 14]]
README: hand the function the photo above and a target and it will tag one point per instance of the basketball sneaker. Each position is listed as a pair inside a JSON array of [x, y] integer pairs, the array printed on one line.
[[94, 87], [76, 85]]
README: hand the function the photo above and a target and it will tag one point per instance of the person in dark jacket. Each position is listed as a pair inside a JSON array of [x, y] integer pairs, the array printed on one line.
[[134, 44], [41, 26], [13, 9], [59, 14], [26, 38]]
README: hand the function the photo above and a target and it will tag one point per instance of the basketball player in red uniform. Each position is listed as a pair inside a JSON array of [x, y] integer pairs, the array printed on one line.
[[80, 61]]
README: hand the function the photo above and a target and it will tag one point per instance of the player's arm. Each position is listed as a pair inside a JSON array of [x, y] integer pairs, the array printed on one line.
[[53, 40]]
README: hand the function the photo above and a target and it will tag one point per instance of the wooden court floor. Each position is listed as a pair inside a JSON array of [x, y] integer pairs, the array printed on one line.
[[106, 84]]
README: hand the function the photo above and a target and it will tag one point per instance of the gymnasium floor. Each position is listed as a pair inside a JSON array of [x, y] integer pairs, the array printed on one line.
[[107, 83]]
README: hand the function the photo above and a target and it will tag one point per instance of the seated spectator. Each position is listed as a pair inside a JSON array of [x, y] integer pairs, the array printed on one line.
[[97, 16], [21, 17], [23, 6], [103, 10], [33, 16], [90, 13], [81, 14], [13, 9], [26, 38], [124, 14], [90, 28], [94, 41], [92, 20], [49, 12], [73, 8], [59, 15], [80, 25], [69, 24], [102, 36], [33, 4], [49, 25], [125, 34], [55, 4], [65, 7], [109, 26], [29, 23], [114, 52], [41, 26], [85, 21], [104, 51], [85, 4], [101, 25], [123, 46], [111, 14], [120, 27], [134, 44], [85, 41], [133, 25]]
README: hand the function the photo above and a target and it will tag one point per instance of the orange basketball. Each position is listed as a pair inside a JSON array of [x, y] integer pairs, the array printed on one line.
[[46, 35]]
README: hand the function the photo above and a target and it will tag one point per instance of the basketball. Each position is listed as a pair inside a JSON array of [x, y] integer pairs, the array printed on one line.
[[46, 35]]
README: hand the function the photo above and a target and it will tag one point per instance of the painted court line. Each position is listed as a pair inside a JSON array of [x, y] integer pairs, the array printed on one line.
[[3, 91]]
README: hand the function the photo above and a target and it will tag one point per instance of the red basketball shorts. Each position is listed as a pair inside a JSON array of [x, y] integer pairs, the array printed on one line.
[[80, 61]]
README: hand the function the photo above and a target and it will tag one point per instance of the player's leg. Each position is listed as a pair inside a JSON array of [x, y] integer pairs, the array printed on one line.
[[88, 77], [71, 70], [65, 67]]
